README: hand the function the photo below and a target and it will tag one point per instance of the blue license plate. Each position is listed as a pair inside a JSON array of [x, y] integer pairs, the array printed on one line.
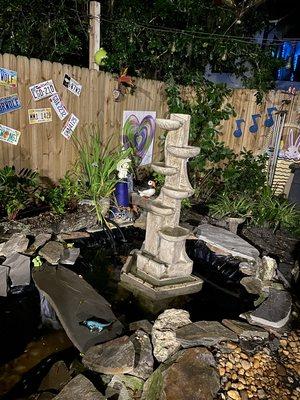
[[9, 104]]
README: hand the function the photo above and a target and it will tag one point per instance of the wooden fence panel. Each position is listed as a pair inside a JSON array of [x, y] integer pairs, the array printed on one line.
[[42, 147]]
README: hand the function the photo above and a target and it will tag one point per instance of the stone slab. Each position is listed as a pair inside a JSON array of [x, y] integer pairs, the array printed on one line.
[[204, 333], [39, 241], [57, 377], [244, 330], [73, 235], [3, 280], [143, 325], [74, 300], [79, 388], [110, 358], [144, 361], [224, 242], [51, 252], [19, 269], [274, 312], [17, 243], [70, 256]]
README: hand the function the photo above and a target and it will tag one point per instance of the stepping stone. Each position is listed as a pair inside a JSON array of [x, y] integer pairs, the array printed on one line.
[[58, 376], [110, 358], [19, 269], [124, 387], [143, 324], [79, 388], [51, 252], [73, 235], [3, 280], [274, 312], [74, 301], [70, 256], [39, 241], [244, 330], [190, 375], [144, 361], [17, 243], [223, 242], [204, 333]]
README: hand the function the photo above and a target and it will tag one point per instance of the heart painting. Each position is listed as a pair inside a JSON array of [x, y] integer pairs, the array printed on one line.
[[138, 133]]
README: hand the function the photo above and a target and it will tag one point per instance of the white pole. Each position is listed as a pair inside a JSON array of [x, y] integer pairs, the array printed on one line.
[[94, 33]]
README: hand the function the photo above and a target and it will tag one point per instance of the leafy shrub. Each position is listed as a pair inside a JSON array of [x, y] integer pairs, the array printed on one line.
[[63, 196], [226, 206], [18, 190]]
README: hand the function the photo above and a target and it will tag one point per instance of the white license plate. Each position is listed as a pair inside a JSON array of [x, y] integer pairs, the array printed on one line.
[[42, 90]]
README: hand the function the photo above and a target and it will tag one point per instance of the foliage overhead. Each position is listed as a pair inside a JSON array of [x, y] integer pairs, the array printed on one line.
[[154, 38]]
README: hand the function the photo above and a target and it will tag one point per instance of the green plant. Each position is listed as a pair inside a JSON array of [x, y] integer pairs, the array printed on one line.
[[96, 169], [244, 174], [275, 211], [226, 206], [63, 195], [159, 180], [18, 190]]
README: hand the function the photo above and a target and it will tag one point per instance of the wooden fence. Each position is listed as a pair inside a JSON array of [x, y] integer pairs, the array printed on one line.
[[43, 148]]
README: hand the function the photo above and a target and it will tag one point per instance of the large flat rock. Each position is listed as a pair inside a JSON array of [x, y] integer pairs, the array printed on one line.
[[79, 388], [223, 242], [204, 333], [19, 269], [113, 357], [74, 301]]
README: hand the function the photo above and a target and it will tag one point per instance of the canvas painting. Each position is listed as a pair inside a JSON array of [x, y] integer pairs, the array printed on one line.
[[138, 132]]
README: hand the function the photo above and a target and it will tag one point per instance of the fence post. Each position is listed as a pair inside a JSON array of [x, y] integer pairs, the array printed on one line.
[[94, 33]]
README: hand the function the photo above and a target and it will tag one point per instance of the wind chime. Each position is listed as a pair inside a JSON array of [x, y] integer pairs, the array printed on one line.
[[280, 118]]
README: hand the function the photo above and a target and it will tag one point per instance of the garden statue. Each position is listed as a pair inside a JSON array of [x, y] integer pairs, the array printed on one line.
[[162, 269]]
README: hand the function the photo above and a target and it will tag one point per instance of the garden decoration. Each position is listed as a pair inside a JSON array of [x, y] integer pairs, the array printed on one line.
[[58, 106], [125, 85], [293, 146], [8, 78], [269, 120], [254, 128], [100, 57], [162, 269], [121, 191], [138, 134], [9, 135], [9, 104], [72, 85], [70, 126], [39, 115], [42, 90], [238, 132]]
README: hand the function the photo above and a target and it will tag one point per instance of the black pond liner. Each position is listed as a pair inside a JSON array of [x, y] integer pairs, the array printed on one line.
[[100, 263]]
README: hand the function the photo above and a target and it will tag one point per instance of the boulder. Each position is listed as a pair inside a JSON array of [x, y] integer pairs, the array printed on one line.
[[19, 269], [223, 242], [79, 388], [70, 256], [143, 324], [113, 357], [252, 284], [123, 387], [192, 376], [163, 332], [39, 241], [274, 312], [51, 252], [144, 361], [247, 268], [266, 270], [57, 377], [83, 218], [3, 280], [17, 243], [245, 331], [204, 333]]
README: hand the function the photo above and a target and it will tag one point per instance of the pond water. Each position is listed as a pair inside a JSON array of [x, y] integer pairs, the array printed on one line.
[[100, 264]]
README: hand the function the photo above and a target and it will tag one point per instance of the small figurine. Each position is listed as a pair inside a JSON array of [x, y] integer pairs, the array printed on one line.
[[124, 82], [148, 192], [123, 167], [95, 324]]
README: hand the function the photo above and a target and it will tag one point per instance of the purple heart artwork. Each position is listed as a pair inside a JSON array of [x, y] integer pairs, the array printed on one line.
[[138, 133]]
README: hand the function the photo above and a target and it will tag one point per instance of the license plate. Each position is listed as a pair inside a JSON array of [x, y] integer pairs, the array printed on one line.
[[72, 85], [42, 90], [39, 115], [9, 104], [70, 126], [8, 77], [9, 135], [58, 106]]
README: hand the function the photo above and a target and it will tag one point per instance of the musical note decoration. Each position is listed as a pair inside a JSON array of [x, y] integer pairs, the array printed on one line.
[[254, 128], [238, 132], [270, 121]]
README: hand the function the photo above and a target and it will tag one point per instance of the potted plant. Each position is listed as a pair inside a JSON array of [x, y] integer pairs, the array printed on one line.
[[96, 171]]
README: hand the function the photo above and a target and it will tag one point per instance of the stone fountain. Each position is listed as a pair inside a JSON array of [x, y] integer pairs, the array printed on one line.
[[162, 269]]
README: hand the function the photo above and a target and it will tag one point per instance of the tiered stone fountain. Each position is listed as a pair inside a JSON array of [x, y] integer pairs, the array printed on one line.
[[162, 269]]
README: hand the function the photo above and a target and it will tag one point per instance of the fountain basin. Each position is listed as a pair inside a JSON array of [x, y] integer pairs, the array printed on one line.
[[183, 152], [162, 168]]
